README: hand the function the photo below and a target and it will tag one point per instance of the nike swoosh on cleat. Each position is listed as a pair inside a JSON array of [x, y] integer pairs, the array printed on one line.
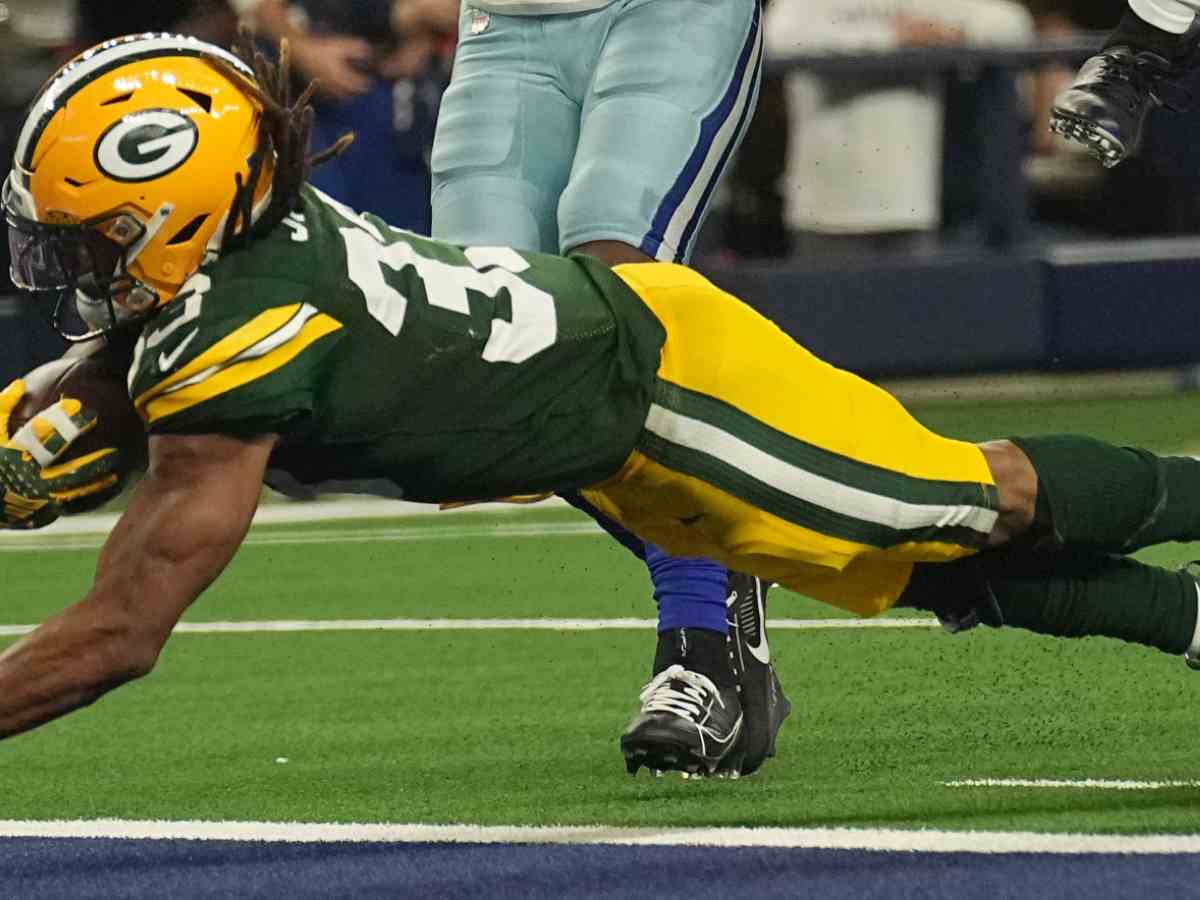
[[760, 651]]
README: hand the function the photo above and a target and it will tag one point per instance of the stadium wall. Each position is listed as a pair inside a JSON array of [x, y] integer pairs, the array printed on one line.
[[1085, 307], [1093, 306]]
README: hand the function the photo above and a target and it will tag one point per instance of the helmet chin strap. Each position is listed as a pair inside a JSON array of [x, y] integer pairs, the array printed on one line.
[[99, 314]]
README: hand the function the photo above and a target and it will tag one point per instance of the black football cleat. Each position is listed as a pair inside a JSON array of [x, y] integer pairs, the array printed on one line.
[[1113, 95], [686, 724], [1191, 657], [763, 703]]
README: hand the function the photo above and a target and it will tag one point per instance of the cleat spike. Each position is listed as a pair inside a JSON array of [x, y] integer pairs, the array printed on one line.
[[687, 723]]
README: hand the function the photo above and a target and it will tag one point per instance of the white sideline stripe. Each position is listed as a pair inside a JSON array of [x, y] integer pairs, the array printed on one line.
[[629, 624], [344, 536], [1085, 783], [924, 841], [286, 513]]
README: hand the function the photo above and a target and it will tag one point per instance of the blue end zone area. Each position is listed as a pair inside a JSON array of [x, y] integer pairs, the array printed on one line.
[[104, 868]]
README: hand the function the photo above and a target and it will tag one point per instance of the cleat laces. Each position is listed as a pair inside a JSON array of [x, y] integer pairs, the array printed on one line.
[[682, 692]]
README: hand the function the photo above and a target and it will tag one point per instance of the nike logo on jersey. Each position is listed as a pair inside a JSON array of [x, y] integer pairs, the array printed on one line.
[[166, 360]]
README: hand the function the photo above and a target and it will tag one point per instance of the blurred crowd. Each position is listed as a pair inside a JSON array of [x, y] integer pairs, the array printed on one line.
[[872, 161], [834, 162]]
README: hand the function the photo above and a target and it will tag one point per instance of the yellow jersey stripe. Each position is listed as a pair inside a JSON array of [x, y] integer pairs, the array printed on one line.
[[261, 346], [225, 350]]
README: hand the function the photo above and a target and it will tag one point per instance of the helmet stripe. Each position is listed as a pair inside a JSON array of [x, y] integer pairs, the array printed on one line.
[[104, 58]]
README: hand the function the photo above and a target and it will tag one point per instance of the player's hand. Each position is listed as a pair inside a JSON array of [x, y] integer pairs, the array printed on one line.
[[339, 65], [35, 490]]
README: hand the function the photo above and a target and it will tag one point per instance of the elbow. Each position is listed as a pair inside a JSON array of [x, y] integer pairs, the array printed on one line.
[[139, 654], [138, 662], [127, 653]]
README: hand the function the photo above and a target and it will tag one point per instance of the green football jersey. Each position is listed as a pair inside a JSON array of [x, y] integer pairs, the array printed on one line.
[[404, 366]]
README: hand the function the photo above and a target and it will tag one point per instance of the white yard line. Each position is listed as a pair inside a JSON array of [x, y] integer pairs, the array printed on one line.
[[286, 513], [539, 624], [414, 532], [1100, 784], [1040, 387], [924, 841]]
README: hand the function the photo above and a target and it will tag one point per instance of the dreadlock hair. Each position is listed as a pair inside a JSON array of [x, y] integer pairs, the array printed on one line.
[[284, 129]]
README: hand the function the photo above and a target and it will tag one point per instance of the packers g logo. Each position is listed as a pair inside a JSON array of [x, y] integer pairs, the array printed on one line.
[[146, 145]]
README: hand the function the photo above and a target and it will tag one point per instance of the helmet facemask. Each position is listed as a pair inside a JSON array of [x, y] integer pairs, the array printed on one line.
[[85, 264]]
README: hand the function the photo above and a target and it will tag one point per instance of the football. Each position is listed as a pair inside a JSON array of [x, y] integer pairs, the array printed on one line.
[[97, 381]]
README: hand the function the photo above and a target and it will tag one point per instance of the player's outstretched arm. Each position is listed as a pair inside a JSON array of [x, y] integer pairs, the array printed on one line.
[[185, 522]]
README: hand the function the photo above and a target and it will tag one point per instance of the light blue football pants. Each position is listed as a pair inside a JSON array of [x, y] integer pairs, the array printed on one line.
[[614, 124]]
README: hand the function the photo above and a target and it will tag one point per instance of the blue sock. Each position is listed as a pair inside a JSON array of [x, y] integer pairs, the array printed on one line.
[[690, 591]]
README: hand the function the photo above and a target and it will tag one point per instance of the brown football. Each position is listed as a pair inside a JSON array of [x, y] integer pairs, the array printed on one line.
[[98, 382]]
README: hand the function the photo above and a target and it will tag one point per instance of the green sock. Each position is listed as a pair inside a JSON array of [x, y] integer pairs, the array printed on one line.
[[1078, 593], [1117, 499]]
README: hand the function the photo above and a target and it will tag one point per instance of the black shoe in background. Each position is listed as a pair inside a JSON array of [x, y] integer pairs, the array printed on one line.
[[1113, 95]]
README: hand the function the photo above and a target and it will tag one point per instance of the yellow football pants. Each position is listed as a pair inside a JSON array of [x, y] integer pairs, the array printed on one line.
[[760, 455]]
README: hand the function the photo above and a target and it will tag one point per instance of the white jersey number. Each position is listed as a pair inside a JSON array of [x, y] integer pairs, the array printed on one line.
[[534, 325]]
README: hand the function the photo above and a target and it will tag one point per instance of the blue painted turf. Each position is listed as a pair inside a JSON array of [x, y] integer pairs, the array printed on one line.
[[105, 868]]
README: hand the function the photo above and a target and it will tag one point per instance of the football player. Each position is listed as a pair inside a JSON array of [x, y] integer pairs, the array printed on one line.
[[282, 336], [1140, 68], [602, 128]]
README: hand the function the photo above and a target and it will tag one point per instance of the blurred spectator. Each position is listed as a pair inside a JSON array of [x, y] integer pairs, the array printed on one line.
[[35, 35], [865, 153], [381, 67], [209, 20]]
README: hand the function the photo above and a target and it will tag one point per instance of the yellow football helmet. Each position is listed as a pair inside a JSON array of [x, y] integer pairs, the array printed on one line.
[[131, 160]]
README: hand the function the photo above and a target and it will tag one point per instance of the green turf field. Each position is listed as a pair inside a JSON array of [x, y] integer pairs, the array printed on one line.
[[520, 727]]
